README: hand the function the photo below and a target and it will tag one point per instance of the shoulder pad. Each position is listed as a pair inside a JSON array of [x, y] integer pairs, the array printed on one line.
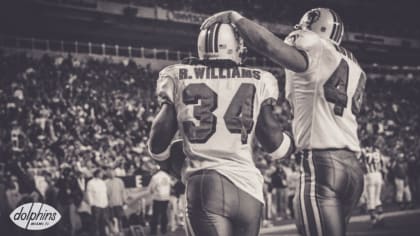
[[303, 39], [346, 53], [267, 75], [191, 61], [169, 70]]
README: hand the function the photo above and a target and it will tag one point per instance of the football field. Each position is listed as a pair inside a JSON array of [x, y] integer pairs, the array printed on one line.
[[396, 223]]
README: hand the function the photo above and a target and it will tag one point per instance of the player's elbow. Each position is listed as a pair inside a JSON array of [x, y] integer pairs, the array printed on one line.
[[163, 130], [264, 140], [285, 148], [268, 132], [158, 151], [297, 61], [268, 138], [158, 146]]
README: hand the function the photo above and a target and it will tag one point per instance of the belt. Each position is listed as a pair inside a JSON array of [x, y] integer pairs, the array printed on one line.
[[326, 149], [202, 171], [305, 152]]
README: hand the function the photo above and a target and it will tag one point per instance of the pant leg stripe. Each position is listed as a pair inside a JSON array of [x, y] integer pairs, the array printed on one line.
[[308, 193], [188, 228], [302, 198], [313, 196]]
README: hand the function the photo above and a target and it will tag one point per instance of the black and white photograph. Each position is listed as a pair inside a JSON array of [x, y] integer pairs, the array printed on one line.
[[209, 118]]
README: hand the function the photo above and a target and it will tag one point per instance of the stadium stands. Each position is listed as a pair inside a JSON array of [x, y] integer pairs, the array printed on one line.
[[83, 114], [66, 110]]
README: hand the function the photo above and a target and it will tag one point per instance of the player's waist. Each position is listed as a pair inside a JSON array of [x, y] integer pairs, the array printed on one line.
[[304, 144], [312, 137], [346, 152], [247, 183]]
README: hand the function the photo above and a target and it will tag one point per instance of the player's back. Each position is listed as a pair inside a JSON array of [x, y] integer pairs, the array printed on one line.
[[373, 161], [217, 109], [326, 98]]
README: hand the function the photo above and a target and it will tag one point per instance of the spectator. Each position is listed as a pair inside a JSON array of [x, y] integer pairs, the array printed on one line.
[[13, 193], [40, 183], [96, 191], [4, 207], [160, 189], [279, 182], [267, 191], [138, 218], [116, 198], [119, 170], [68, 193], [292, 183], [417, 197], [181, 204], [83, 208], [51, 194], [413, 175], [403, 193]]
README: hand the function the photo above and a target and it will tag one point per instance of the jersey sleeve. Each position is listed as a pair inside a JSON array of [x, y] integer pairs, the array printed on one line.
[[270, 88], [166, 153], [307, 42], [286, 148], [166, 87]]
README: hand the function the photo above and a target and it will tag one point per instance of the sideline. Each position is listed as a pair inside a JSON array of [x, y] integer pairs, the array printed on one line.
[[361, 218]]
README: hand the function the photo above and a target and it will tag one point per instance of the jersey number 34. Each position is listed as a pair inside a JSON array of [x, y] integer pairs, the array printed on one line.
[[335, 90], [238, 117]]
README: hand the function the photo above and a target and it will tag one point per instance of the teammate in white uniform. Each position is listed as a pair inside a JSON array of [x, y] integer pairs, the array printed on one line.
[[326, 97], [374, 165], [325, 86], [218, 106]]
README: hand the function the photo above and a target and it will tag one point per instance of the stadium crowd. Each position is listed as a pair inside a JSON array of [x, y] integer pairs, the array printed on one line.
[[286, 11], [64, 121]]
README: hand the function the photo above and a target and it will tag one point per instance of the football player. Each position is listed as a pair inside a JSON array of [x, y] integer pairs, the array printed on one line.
[[218, 106], [325, 86], [373, 165]]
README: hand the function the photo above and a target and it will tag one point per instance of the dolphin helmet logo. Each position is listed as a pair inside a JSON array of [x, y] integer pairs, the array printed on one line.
[[313, 17]]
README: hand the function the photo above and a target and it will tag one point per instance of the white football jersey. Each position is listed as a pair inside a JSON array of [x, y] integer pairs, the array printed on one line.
[[326, 97], [373, 161], [217, 110]]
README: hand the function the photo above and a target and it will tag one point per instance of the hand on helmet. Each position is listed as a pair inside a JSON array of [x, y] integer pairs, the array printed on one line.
[[226, 17]]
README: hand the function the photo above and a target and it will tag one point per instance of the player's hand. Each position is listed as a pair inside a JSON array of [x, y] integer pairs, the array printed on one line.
[[225, 17]]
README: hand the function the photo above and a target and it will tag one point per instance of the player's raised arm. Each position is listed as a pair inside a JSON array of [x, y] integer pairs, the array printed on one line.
[[262, 40]]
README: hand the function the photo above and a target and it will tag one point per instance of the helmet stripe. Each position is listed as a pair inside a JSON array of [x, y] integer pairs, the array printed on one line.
[[340, 28], [206, 41], [338, 25], [211, 39], [216, 38], [334, 30]]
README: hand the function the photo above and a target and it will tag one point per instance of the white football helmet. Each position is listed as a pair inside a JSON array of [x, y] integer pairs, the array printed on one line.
[[221, 42], [325, 22]]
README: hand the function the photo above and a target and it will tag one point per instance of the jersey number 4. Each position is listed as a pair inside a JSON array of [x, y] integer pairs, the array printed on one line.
[[335, 90], [238, 117]]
